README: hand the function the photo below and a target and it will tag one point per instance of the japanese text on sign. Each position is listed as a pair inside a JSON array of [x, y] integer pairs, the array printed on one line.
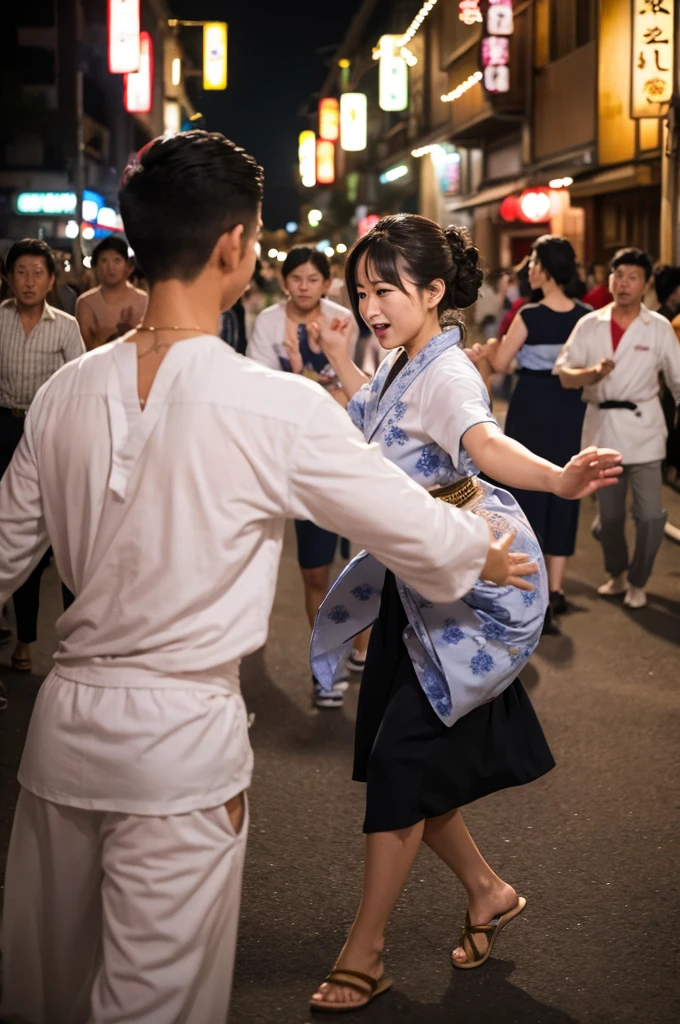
[[496, 45], [469, 12], [653, 56]]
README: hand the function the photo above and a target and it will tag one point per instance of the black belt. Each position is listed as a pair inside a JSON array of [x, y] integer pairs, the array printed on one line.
[[613, 404]]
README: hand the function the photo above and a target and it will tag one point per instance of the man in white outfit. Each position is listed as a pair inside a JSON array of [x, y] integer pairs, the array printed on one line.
[[162, 468], [615, 354]]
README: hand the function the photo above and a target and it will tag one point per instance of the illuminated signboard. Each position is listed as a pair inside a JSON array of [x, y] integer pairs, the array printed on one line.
[[123, 36], [329, 119], [325, 162], [653, 57], [496, 46], [469, 12], [172, 117], [307, 158], [353, 121], [138, 92], [58, 204], [215, 55], [392, 75]]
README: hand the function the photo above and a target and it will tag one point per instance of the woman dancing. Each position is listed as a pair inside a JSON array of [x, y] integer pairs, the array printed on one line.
[[442, 718]]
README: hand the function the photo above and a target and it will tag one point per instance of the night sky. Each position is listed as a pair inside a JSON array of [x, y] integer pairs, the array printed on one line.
[[274, 66]]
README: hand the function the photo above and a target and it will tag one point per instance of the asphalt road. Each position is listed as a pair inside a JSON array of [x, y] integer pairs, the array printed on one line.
[[593, 846]]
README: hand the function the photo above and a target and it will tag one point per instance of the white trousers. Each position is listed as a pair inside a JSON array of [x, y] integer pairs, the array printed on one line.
[[120, 919]]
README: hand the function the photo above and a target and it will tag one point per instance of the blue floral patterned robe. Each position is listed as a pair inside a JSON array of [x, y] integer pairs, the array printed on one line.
[[463, 653]]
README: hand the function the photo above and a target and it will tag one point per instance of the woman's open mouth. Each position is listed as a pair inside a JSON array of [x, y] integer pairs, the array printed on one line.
[[380, 329]]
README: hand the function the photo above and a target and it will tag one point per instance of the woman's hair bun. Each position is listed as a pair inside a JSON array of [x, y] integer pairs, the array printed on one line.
[[468, 276]]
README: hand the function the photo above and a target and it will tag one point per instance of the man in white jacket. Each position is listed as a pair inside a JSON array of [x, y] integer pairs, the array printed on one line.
[[162, 468], [615, 354]]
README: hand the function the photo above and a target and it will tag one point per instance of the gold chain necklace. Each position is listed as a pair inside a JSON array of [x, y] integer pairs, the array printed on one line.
[[158, 346]]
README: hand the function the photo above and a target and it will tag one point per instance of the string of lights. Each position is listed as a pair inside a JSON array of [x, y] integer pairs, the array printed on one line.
[[461, 89], [417, 22]]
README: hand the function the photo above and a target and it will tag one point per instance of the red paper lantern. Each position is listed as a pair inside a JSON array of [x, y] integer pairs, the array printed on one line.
[[510, 210], [325, 162]]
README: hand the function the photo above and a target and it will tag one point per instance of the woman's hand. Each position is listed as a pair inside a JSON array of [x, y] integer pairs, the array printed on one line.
[[507, 568], [334, 338], [292, 347], [588, 471]]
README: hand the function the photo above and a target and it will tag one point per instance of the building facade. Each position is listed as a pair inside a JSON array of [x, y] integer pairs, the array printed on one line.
[[565, 130]]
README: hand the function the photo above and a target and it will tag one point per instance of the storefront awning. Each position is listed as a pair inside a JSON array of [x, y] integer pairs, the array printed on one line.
[[492, 194]]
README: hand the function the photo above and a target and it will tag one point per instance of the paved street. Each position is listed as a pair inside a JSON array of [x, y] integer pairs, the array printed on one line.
[[593, 846]]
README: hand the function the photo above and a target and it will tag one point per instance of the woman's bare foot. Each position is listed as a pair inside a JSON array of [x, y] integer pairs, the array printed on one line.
[[482, 908], [354, 958]]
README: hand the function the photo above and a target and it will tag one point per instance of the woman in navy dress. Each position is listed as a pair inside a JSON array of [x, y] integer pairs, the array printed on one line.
[[543, 416]]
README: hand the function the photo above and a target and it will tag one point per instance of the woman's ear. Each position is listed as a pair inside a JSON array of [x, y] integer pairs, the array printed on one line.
[[436, 290]]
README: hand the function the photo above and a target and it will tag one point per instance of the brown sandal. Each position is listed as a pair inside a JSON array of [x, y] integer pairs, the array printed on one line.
[[362, 983], [491, 930]]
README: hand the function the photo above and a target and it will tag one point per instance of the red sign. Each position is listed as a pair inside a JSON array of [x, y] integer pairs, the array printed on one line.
[[329, 119], [123, 22], [138, 92], [469, 12]]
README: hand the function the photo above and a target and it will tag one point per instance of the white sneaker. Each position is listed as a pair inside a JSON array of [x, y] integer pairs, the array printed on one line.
[[614, 586], [635, 597]]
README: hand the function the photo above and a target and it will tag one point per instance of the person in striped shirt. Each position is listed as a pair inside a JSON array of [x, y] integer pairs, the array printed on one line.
[[36, 340]]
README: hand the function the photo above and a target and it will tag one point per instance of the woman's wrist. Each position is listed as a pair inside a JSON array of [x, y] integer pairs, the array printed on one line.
[[553, 480]]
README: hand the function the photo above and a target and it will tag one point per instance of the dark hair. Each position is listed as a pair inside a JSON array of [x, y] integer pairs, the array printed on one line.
[[666, 280], [112, 243], [426, 252], [633, 258], [181, 194], [30, 247], [557, 257], [301, 254]]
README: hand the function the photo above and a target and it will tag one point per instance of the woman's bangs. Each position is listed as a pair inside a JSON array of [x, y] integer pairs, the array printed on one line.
[[381, 262]]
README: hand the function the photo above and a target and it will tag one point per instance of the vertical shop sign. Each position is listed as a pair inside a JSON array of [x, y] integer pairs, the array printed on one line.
[[215, 55], [325, 162], [499, 27], [307, 158], [329, 119], [138, 85], [353, 121], [123, 24], [653, 57], [393, 75]]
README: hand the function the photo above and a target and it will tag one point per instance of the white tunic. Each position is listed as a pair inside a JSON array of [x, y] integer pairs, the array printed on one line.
[[167, 525], [648, 346]]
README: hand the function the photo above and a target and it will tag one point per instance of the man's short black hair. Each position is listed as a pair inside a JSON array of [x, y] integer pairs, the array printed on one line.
[[112, 243], [181, 194], [632, 257], [30, 247], [300, 254]]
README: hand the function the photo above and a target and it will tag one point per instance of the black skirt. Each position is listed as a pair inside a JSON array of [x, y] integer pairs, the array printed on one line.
[[416, 767], [548, 420]]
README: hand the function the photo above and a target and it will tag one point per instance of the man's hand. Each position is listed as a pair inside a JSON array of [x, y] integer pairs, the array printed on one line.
[[588, 471], [475, 352], [602, 370], [506, 568]]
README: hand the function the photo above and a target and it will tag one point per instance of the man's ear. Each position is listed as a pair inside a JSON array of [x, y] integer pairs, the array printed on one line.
[[229, 248]]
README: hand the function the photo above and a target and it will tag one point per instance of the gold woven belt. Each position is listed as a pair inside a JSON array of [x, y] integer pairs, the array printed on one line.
[[458, 493]]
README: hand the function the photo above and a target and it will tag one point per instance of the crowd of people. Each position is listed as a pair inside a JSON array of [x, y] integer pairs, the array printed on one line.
[[156, 445]]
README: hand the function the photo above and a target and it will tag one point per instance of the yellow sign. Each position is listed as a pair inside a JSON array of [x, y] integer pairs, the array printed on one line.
[[653, 57], [307, 158], [215, 55]]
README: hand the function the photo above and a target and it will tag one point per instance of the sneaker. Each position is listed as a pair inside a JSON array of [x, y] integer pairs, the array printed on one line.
[[635, 597], [327, 698], [613, 587], [356, 662]]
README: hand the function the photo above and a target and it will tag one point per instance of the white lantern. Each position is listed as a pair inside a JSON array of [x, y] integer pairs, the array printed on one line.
[[393, 75]]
